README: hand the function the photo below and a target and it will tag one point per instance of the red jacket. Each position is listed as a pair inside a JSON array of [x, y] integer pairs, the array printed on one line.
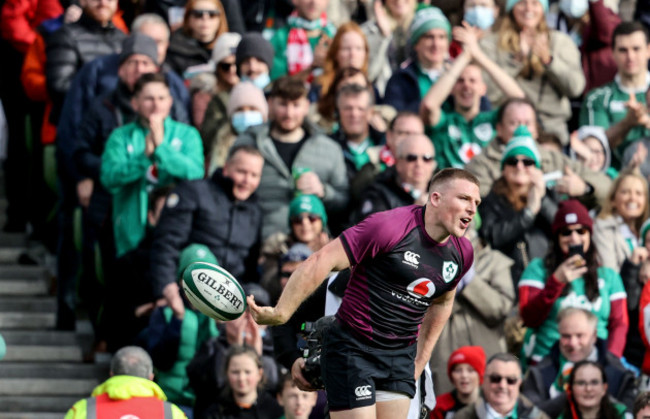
[[597, 59], [20, 18]]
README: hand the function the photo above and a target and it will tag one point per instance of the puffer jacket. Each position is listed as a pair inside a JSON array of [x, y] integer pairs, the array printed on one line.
[[319, 153], [206, 212], [72, 46], [184, 52], [520, 235]]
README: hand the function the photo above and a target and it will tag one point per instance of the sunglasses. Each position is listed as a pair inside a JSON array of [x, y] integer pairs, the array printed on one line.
[[411, 158], [496, 379], [225, 67], [199, 13], [298, 219], [568, 232], [513, 161]]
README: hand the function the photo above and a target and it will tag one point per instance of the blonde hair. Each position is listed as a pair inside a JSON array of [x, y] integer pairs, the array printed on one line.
[[509, 41], [608, 207]]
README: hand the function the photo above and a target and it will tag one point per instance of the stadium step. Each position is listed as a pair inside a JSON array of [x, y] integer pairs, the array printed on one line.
[[43, 372]]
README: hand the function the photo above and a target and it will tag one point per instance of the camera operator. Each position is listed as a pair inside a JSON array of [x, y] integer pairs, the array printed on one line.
[[406, 265]]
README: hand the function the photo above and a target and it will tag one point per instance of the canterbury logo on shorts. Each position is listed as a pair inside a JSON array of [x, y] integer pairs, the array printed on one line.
[[363, 392]]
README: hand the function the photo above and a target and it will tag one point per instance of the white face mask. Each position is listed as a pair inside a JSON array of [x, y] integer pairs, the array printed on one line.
[[574, 8]]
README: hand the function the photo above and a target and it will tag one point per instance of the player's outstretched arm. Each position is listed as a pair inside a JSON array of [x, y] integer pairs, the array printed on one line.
[[432, 324], [304, 281]]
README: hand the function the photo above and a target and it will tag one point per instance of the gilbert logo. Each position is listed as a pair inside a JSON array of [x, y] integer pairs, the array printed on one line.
[[362, 392], [411, 259]]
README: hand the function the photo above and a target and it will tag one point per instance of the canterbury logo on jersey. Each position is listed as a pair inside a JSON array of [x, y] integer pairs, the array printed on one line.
[[363, 392], [411, 259]]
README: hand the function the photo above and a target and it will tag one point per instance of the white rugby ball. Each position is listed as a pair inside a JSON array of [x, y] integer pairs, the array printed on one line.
[[214, 291]]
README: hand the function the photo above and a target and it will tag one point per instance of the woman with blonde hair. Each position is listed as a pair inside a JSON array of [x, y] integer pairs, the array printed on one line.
[[618, 226], [190, 47], [544, 62]]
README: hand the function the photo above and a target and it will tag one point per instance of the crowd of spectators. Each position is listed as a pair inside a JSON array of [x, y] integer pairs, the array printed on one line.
[[139, 137]]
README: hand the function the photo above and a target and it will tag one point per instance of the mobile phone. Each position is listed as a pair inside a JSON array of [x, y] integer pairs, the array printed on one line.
[[576, 249]]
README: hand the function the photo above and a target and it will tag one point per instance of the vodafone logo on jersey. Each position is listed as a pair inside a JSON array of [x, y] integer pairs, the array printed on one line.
[[422, 287]]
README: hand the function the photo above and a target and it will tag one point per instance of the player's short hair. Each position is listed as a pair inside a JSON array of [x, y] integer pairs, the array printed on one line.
[[641, 401], [449, 174], [570, 311], [133, 361], [628, 28]]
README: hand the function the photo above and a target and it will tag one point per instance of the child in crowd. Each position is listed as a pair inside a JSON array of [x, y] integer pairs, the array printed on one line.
[[297, 404], [243, 397]]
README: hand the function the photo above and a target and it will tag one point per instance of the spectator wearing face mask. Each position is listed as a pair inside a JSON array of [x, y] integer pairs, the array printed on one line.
[[247, 107]]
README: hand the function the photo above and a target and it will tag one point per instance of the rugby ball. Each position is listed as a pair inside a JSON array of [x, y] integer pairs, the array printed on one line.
[[214, 291]]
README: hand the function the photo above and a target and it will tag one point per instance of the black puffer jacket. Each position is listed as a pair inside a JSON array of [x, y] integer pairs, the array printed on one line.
[[520, 235], [185, 51], [205, 212], [383, 194], [72, 46]]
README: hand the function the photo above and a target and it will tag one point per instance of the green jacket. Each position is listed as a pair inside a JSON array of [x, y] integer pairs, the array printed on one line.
[[196, 328], [280, 42], [123, 387], [126, 173]]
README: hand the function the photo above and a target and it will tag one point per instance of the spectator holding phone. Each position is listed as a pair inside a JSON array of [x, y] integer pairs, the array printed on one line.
[[571, 276]]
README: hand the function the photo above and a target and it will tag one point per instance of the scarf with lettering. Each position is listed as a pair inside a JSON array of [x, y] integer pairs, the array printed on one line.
[[299, 52]]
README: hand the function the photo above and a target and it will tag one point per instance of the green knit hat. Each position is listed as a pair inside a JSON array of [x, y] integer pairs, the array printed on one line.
[[511, 3], [522, 144], [195, 253], [644, 230], [426, 19], [307, 204]]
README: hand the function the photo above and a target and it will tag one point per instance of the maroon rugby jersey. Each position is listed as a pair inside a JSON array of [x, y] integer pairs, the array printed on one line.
[[397, 271]]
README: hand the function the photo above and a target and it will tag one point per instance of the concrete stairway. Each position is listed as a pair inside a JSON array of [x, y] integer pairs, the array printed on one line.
[[43, 372]]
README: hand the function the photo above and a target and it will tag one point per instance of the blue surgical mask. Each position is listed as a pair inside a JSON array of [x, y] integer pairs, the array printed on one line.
[[260, 81], [244, 119], [574, 8], [480, 16]]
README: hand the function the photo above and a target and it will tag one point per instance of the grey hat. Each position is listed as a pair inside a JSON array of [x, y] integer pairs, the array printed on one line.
[[138, 43], [253, 44], [225, 46], [598, 133]]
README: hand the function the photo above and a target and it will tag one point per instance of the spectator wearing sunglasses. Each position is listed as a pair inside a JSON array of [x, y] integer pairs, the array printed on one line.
[[546, 383], [403, 184], [575, 179], [190, 47], [307, 221], [461, 133], [500, 393], [519, 210], [570, 275]]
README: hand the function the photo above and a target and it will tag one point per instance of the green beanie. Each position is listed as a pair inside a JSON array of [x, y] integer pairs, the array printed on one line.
[[511, 3], [644, 230], [307, 204], [195, 253], [522, 144], [426, 19]]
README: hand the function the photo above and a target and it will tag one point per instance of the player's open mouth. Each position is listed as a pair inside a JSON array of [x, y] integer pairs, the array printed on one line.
[[465, 221]]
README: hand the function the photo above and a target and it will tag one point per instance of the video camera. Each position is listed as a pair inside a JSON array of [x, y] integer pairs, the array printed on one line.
[[312, 333]]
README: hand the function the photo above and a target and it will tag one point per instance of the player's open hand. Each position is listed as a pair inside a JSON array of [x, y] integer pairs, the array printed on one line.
[[264, 315]]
